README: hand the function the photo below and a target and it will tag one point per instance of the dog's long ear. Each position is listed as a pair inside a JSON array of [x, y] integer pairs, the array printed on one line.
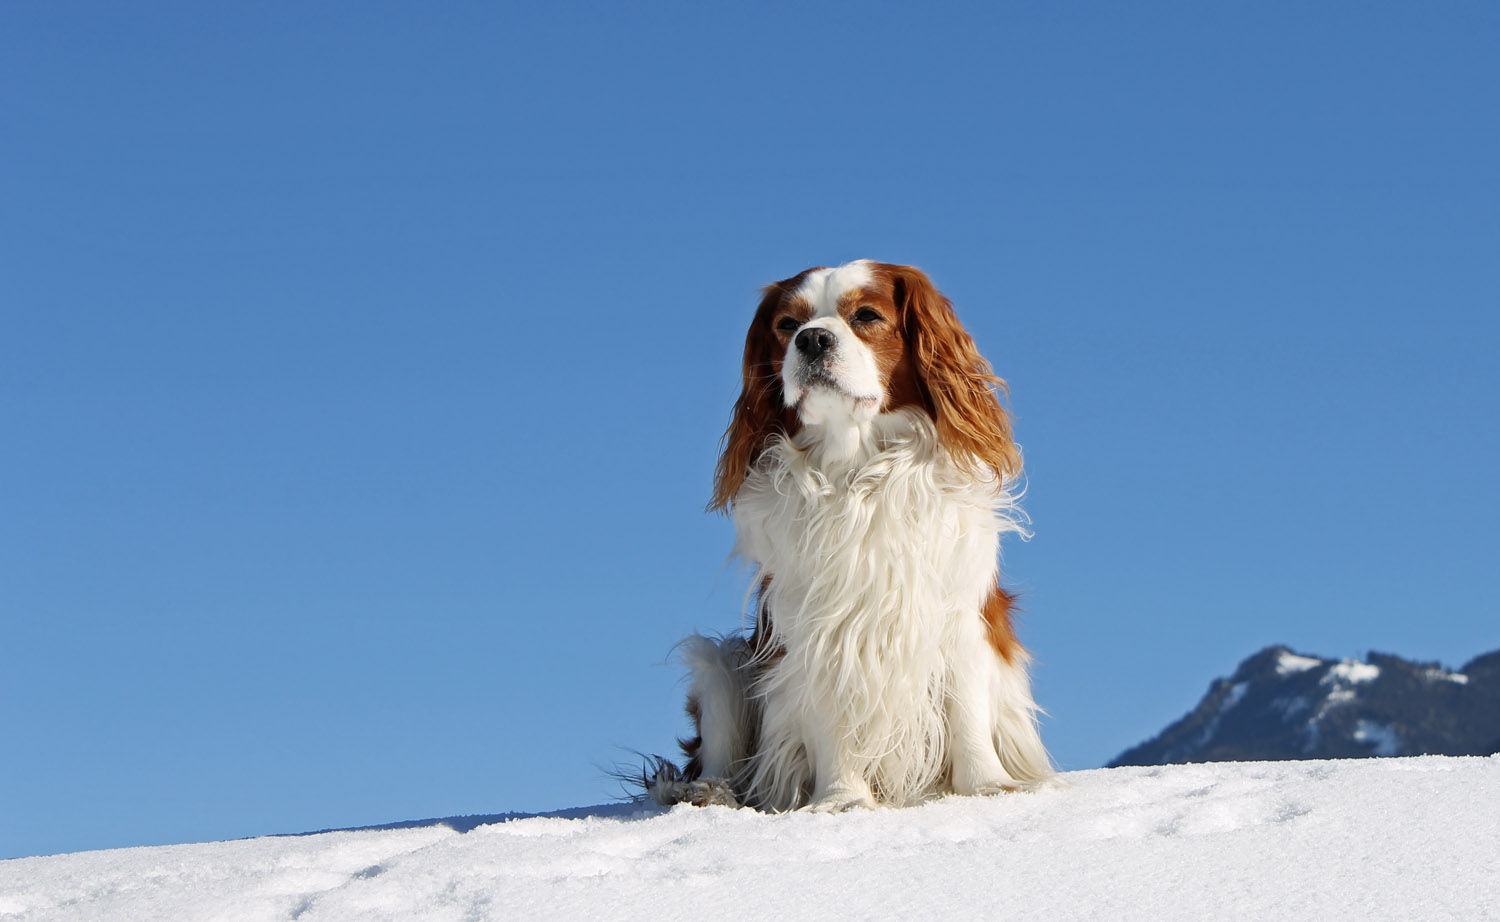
[[958, 385], [760, 412]]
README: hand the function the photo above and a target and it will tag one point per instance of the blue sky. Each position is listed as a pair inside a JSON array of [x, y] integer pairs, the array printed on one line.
[[363, 365]]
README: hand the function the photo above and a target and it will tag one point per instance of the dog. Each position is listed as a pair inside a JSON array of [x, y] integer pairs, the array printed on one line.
[[871, 472]]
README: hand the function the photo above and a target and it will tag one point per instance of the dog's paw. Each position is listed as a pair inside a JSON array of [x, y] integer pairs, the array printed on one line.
[[704, 792], [1007, 786], [984, 781], [842, 798], [840, 804], [709, 792], [993, 788]]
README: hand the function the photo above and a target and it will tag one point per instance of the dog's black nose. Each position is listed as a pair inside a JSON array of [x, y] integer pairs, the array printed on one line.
[[814, 341]]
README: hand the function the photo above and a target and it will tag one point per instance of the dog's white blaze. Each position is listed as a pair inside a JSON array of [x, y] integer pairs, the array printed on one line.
[[822, 288], [851, 364]]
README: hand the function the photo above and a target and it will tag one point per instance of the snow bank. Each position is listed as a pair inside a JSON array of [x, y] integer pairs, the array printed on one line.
[[1411, 838]]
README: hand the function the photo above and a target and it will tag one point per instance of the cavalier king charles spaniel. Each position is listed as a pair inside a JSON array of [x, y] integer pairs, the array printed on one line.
[[871, 473]]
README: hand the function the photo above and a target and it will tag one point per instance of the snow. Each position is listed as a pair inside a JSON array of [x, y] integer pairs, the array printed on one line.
[[1443, 675], [1339, 696], [1289, 662], [1338, 678], [1235, 696], [1378, 735], [1332, 840], [1352, 671]]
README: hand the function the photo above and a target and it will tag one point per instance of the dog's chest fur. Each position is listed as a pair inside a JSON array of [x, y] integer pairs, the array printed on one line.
[[878, 562]]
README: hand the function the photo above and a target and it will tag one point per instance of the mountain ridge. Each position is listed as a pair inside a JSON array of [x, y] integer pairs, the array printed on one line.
[[1280, 705]]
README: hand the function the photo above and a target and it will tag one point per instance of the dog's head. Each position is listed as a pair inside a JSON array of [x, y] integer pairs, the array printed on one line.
[[843, 345]]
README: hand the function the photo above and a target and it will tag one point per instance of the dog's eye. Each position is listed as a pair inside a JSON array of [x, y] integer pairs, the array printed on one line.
[[788, 324], [866, 315]]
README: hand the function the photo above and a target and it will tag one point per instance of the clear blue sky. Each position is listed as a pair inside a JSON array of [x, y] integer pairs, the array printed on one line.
[[362, 365]]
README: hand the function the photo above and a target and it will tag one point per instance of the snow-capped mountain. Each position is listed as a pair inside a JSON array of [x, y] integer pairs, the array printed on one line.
[[1284, 705]]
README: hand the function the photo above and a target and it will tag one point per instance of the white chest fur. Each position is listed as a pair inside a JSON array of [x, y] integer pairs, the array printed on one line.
[[880, 559]]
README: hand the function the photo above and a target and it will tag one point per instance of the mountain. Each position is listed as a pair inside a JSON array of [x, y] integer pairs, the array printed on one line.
[[1284, 705]]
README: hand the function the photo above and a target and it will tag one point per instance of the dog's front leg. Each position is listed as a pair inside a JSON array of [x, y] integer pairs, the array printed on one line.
[[976, 766], [837, 784]]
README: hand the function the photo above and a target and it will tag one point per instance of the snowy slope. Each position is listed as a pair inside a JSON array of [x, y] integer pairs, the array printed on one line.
[[1415, 838]]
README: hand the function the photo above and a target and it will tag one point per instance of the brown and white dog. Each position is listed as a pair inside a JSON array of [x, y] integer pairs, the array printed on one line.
[[870, 470]]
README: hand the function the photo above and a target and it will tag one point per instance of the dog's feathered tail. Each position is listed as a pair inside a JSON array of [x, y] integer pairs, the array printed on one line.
[[722, 710]]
